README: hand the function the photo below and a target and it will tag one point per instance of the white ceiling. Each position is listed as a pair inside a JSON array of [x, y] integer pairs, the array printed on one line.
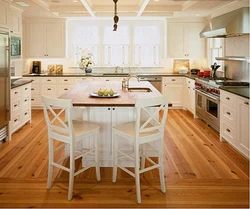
[[125, 8]]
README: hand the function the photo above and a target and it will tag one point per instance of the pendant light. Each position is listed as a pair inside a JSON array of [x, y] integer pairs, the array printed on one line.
[[116, 18]]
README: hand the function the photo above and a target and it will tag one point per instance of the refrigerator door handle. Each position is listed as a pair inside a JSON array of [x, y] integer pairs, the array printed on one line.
[[8, 88]]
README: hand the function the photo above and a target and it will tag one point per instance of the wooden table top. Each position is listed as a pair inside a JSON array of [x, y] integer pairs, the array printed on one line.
[[80, 93]]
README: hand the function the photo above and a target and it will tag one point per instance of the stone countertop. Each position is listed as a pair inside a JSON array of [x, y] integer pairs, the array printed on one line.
[[242, 91], [111, 75], [20, 82], [80, 94]]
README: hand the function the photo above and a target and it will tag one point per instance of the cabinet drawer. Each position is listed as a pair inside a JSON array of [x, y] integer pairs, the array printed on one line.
[[228, 98], [49, 80], [173, 80], [26, 102], [35, 89], [26, 90], [15, 93], [190, 83], [16, 122], [35, 81], [35, 100], [15, 106], [63, 89], [227, 132], [26, 115], [66, 81], [228, 114], [49, 89]]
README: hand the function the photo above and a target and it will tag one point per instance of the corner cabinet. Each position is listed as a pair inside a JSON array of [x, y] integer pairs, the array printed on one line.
[[184, 40], [234, 121], [46, 39]]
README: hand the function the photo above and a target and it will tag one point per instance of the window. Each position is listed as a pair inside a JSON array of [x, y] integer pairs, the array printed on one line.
[[133, 44], [215, 50]]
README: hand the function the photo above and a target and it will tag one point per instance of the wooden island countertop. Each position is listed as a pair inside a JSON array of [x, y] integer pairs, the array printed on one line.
[[80, 93]]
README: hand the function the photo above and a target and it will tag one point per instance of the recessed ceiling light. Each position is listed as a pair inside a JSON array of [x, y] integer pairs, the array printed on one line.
[[156, 0], [20, 3], [75, 1]]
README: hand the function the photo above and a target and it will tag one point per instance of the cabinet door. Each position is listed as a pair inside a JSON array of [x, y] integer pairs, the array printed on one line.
[[176, 40], [243, 126], [15, 21], [174, 94], [55, 40], [4, 14], [195, 46], [37, 40]]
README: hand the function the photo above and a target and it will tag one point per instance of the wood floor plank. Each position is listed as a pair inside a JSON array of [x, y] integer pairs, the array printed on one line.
[[200, 171]]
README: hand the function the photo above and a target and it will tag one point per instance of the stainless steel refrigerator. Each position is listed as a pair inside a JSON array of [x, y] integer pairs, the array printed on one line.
[[4, 85]]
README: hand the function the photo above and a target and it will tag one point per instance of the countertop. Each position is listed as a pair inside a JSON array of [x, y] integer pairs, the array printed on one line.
[[242, 91], [80, 94], [110, 75], [20, 83]]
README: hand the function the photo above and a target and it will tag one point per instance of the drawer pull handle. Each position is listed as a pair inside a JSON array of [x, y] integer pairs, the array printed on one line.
[[15, 120], [65, 80], [246, 103], [25, 100], [32, 99], [16, 92], [228, 130], [65, 89], [227, 98], [48, 80], [32, 89], [173, 79], [228, 113], [26, 113], [48, 89], [15, 105]]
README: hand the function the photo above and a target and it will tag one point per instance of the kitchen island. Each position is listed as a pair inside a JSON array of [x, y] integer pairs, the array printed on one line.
[[107, 112]]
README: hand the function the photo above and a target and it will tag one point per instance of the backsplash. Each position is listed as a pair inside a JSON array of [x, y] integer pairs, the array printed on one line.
[[237, 46]]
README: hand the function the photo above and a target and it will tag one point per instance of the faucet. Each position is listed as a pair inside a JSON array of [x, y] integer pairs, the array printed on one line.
[[128, 78]]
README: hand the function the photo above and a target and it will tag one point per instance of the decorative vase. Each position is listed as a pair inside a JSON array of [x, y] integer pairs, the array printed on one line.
[[88, 70]]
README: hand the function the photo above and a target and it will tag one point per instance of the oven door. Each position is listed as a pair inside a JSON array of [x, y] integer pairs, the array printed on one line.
[[208, 108]]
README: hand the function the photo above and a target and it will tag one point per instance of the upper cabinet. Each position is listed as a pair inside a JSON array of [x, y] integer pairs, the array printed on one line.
[[15, 21], [4, 14], [46, 39], [184, 40]]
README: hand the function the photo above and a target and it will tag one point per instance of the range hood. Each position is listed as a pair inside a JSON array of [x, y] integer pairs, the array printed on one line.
[[231, 24]]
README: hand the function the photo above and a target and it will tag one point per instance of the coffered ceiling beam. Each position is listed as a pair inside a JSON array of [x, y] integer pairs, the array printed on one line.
[[67, 9], [143, 6], [88, 8], [111, 8], [173, 8], [42, 4]]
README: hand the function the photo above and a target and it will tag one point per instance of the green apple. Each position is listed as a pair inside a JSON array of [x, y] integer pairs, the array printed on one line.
[[111, 92], [106, 92]]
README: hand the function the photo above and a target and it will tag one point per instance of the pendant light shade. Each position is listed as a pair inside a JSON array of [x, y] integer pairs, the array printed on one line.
[[116, 18]]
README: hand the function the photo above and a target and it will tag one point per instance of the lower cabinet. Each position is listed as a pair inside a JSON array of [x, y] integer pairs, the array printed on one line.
[[189, 95], [20, 107], [173, 90], [234, 121]]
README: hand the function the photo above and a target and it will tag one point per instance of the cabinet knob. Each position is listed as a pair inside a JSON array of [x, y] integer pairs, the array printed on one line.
[[16, 92], [246, 103], [26, 89], [15, 120], [48, 89], [26, 113], [228, 130], [228, 113], [227, 98], [15, 105]]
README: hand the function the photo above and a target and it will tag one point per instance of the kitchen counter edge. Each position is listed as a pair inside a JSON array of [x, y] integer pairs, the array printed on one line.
[[239, 91], [20, 83]]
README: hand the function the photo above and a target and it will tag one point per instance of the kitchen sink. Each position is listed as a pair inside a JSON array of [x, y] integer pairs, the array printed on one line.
[[139, 89], [115, 74]]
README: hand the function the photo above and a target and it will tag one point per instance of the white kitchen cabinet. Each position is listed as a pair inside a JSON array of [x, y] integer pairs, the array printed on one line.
[[46, 39], [243, 125], [189, 94], [15, 21], [173, 90], [4, 8], [184, 40], [234, 121], [20, 106]]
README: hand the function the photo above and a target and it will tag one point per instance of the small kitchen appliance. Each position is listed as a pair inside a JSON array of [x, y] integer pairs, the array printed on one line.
[[36, 69]]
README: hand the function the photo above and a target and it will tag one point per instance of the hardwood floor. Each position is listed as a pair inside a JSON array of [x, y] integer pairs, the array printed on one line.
[[200, 172]]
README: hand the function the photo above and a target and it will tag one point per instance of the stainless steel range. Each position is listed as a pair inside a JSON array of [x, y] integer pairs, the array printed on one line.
[[207, 98]]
